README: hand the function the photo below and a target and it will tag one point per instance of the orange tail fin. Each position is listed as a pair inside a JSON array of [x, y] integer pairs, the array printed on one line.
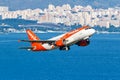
[[31, 35], [36, 46]]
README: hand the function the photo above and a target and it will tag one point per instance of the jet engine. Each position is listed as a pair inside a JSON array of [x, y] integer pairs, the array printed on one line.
[[60, 42], [85, 42]]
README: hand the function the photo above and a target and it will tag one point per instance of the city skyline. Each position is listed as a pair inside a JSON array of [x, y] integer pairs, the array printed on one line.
[[67, 15], [25, 4]]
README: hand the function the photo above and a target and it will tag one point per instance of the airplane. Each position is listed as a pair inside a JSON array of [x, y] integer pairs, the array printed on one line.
[[79, 36]]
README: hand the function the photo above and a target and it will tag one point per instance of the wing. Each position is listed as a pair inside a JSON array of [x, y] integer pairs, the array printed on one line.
[[39, 41]]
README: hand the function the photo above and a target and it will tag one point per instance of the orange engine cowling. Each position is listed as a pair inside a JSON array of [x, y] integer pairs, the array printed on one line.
[[83, 42], [59, 43]]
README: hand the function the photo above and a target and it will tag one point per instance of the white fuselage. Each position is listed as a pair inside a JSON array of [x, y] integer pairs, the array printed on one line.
[[80, 35]]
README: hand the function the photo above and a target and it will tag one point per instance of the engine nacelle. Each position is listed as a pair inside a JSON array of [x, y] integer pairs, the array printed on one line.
[[85, 42], [59, 43]]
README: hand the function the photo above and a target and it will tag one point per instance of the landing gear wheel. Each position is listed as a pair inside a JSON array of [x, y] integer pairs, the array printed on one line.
[[65, 48]]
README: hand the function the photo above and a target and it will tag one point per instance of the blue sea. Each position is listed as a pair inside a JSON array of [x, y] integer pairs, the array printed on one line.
[[98, 61]]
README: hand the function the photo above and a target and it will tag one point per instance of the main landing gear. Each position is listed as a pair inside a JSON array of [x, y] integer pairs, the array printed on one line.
[[65, 48]]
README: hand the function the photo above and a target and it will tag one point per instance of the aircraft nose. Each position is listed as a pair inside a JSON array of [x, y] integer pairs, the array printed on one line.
[[92, 31]]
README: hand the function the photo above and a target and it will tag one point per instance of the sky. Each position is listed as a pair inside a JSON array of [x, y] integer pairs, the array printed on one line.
[[25, 4]]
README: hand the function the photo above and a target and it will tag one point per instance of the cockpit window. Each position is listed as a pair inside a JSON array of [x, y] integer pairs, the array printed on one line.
[[88, 28]]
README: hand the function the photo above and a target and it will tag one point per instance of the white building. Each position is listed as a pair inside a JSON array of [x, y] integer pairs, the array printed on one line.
[[4, 9]]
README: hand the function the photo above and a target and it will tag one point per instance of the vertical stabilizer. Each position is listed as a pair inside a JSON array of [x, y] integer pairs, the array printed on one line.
[[37, 46], [31, 35]]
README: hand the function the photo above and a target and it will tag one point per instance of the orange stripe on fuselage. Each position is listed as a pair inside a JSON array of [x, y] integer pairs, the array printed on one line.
[[67, 35]]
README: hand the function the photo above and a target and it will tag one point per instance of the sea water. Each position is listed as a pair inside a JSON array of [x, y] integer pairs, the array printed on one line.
[[98, 61]]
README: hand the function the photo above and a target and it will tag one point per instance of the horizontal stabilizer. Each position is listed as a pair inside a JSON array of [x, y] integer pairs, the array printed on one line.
[[26, 47]]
